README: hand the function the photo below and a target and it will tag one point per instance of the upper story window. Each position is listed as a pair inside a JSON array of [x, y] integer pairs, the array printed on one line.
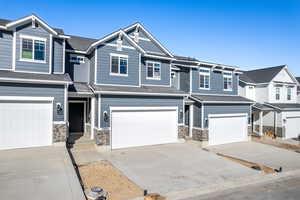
[[118, 65], [33, 49], [227, 81], [289, 93], [77, 59], [204, 78], [277, 94], [153, 70]]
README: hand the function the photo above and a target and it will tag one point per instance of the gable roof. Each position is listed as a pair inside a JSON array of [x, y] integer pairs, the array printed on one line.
[[151, 37], [264, 75], [10, 23], [79, 43]]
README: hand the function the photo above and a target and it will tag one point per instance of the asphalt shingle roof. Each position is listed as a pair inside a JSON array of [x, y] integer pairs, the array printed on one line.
[[261, 75], [79, 43], [80, 87], [185, 58], [286, 106], [142, 89], [219, 98], [35, 76], [262, 107]]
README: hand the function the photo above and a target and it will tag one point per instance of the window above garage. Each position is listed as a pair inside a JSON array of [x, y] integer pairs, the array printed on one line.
[[33, 49]]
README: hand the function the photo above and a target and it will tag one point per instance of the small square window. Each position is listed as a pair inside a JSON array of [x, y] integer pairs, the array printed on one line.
[[153, 70], [119, 65]]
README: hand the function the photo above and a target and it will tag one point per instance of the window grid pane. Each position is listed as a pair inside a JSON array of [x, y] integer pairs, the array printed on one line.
[[27, 48], [123, 65], [39, 50], [114, 64]]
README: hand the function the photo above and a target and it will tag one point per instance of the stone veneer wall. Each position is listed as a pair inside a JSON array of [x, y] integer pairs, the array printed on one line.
[[200, 134], [280, 130], [59, 132], [183, 132]]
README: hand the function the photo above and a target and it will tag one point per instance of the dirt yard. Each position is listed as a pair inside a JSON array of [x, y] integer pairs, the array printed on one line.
[[104, 175]]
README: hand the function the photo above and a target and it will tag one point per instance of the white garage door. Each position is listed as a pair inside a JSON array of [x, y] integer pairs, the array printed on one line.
[[140, 127], [25, 124], [292, 127], [227, 128]]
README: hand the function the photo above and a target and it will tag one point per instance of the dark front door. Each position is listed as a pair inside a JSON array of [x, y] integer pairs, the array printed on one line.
[[76, 117]]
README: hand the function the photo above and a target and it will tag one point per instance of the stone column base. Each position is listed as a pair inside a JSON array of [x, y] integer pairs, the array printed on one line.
[[59, 133], [200, 134], [102, 137], [183, 132]]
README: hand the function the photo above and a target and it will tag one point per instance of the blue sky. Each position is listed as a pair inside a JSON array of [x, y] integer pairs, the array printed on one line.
[[248, 34]]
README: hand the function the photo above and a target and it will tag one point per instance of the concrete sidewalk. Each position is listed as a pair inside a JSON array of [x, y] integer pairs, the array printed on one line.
[[43, 173]]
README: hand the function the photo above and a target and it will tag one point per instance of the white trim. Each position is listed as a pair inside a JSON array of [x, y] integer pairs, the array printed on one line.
[[31, 17], [75, 51], [33, 81], [30, 37], [253, 83], [227, 76], [204, 74], [14, 43], [159, 57], [59, 122], [191, 81], [115, 45], [119, 64], [96, 63], [170, 74], [153, 66], [202, 115], [191, 120], [228, 115], [84, 111], [150, 36], [50, 53], [108, 84], [230, 102], [140, 38], [25, 98], [93, 117], [138, 93], [140, 69], [132, 108], [99, 111], [156, 85], [65, 103], [64, 56]]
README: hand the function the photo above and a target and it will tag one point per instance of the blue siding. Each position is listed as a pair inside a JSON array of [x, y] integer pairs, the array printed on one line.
[[197, 115], [103, 66], [70, 66], [92, 67], [114, 100], [216, 83], [36, 90], [5, 50], [31, 66], [184, 77], [165, 73], [58, 51]]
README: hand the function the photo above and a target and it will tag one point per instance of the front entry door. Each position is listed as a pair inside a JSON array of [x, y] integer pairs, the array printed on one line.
[[76, 117]]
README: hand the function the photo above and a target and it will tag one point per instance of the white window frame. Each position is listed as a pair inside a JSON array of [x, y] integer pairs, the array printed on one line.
[[228, 76], [287, 95], [33, 38], [153, 63], [119, 60], [81, 59], [279, 91], [205, 74]]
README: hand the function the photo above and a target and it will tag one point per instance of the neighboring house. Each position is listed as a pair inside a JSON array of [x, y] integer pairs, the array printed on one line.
[[275, 91], [214, 112], [298, 89]]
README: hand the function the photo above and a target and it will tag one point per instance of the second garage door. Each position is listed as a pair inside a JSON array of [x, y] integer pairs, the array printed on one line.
[[292, 127], [227, 128], [132, 127]]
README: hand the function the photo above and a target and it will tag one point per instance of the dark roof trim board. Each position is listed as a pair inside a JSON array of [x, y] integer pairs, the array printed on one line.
[[285, 106], [138, 25], [226, 99]]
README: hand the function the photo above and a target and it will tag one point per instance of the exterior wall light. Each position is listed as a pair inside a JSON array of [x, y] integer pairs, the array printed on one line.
[[59, 107], [105, 116]]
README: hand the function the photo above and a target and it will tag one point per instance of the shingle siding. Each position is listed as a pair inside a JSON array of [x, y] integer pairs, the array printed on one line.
[[58, 52], [103, 66], [216, 83], [165, 73], [31, 66], [36, 90], [6, 39], [138, 101]]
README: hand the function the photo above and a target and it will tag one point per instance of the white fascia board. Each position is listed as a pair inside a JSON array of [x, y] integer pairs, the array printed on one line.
[[158, 57], [117, 108], [272, 106], [253, 83], [34, 81], [227, 115], [228, 102], [25, 98], [75, 51], [31, 17], [139, 93]]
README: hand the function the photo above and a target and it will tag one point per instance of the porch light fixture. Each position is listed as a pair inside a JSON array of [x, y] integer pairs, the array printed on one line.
[[105, 116], [59, 107]]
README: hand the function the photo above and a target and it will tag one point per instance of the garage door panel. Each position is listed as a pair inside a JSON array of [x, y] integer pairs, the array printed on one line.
[[25, 124], [140, 128], [292, 127], [227, 129]]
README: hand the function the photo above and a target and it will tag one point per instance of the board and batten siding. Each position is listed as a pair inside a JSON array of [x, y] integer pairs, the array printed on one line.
[[32, 66], [164, 73], [36, 90], [103, 66], [184, 79], [79, 72], [216, 83], [6, 39], [58, 52], [108, 101]]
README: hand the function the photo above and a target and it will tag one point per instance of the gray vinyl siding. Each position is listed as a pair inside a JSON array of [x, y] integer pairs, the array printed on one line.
[[184, 79], [6, 50], [175, 80], [217, 109], [165, 73], [70, 66], [36, 90], [103, 66], [92, 67], [58, 52], [216, 83], [138, 101], [31, 66]]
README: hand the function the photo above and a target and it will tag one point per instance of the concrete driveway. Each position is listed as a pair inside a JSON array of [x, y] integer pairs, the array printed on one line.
[[175, 167], [38, 173], [270, 156]]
